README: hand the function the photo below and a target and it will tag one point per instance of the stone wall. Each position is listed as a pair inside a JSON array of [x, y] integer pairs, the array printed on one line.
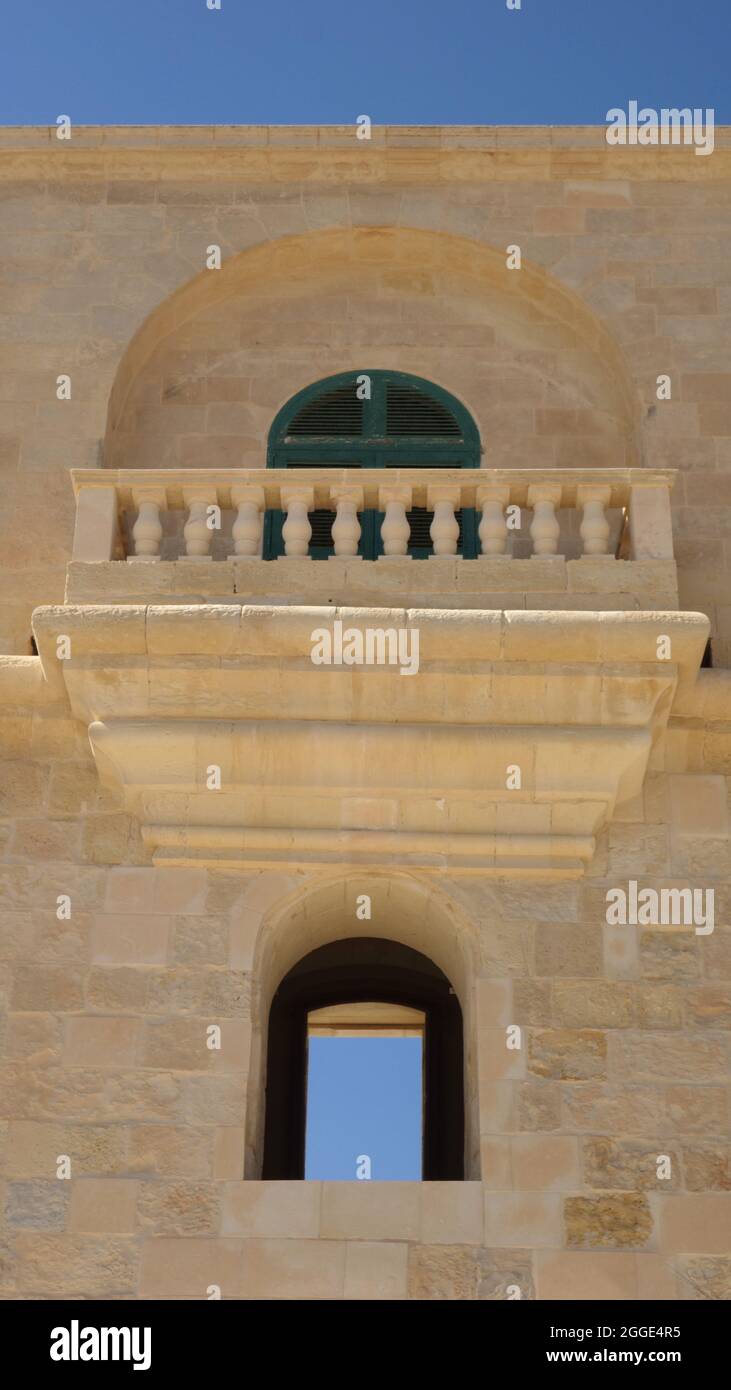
[[339, 253], [625, 1055]]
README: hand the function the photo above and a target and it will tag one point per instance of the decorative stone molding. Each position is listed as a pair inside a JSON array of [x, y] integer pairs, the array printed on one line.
[[544, 498], [493, 529], [644, 493], [331, 764], [348, 500], [247, 528], [147, 530], [115, 509]]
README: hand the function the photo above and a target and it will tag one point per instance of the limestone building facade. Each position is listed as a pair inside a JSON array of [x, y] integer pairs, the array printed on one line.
[[468, 384]]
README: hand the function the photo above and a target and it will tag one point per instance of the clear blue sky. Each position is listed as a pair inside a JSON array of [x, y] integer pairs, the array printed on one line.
[[364, 1097], [554, 62]]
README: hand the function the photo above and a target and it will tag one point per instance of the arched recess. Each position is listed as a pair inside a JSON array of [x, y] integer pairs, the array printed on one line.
[[302, 307], [403, 909]]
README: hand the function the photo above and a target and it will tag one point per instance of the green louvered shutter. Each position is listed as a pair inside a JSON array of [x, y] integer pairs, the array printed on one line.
[[404, 423]]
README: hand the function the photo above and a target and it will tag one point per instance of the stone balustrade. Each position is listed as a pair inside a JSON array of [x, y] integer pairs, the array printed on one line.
[[121, 514]]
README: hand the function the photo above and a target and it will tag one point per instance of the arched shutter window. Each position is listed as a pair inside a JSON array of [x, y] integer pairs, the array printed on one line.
[[332, 415], [373, 419], [412, 412]]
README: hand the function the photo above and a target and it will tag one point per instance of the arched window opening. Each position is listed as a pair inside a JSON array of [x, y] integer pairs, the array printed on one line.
[[373, 419], [359, 994]]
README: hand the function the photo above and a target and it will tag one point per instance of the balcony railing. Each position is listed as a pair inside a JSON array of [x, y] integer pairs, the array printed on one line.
[[202, 515]]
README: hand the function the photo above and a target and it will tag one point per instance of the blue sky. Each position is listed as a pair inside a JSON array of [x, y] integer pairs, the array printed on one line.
[[555, 62], [364, 1097]]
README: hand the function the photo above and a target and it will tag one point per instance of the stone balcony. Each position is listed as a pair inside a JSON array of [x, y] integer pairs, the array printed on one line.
[[567, 539], [547, 665]]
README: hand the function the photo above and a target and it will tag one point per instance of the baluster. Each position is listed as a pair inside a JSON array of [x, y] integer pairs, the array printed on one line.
[[594, 528], [297, 531], [198, 534], [247, 527], [395, 529], [444, 529], [147, 530], [544, 528], [346, 526], [493, 530]]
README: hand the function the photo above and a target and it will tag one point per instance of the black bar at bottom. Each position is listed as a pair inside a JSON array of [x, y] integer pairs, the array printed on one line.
[[191, 1337]]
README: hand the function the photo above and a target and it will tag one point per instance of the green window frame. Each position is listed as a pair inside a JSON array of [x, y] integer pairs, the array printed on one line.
[[372, 433]]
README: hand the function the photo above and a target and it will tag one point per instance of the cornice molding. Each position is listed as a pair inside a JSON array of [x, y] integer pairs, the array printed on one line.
[[399, 154], [326, 764]]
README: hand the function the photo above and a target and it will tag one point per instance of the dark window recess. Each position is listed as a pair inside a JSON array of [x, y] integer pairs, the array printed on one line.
[[321, 522], [420, 541], [365, 969], [707, 661], [336, 413], [411, 412]]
